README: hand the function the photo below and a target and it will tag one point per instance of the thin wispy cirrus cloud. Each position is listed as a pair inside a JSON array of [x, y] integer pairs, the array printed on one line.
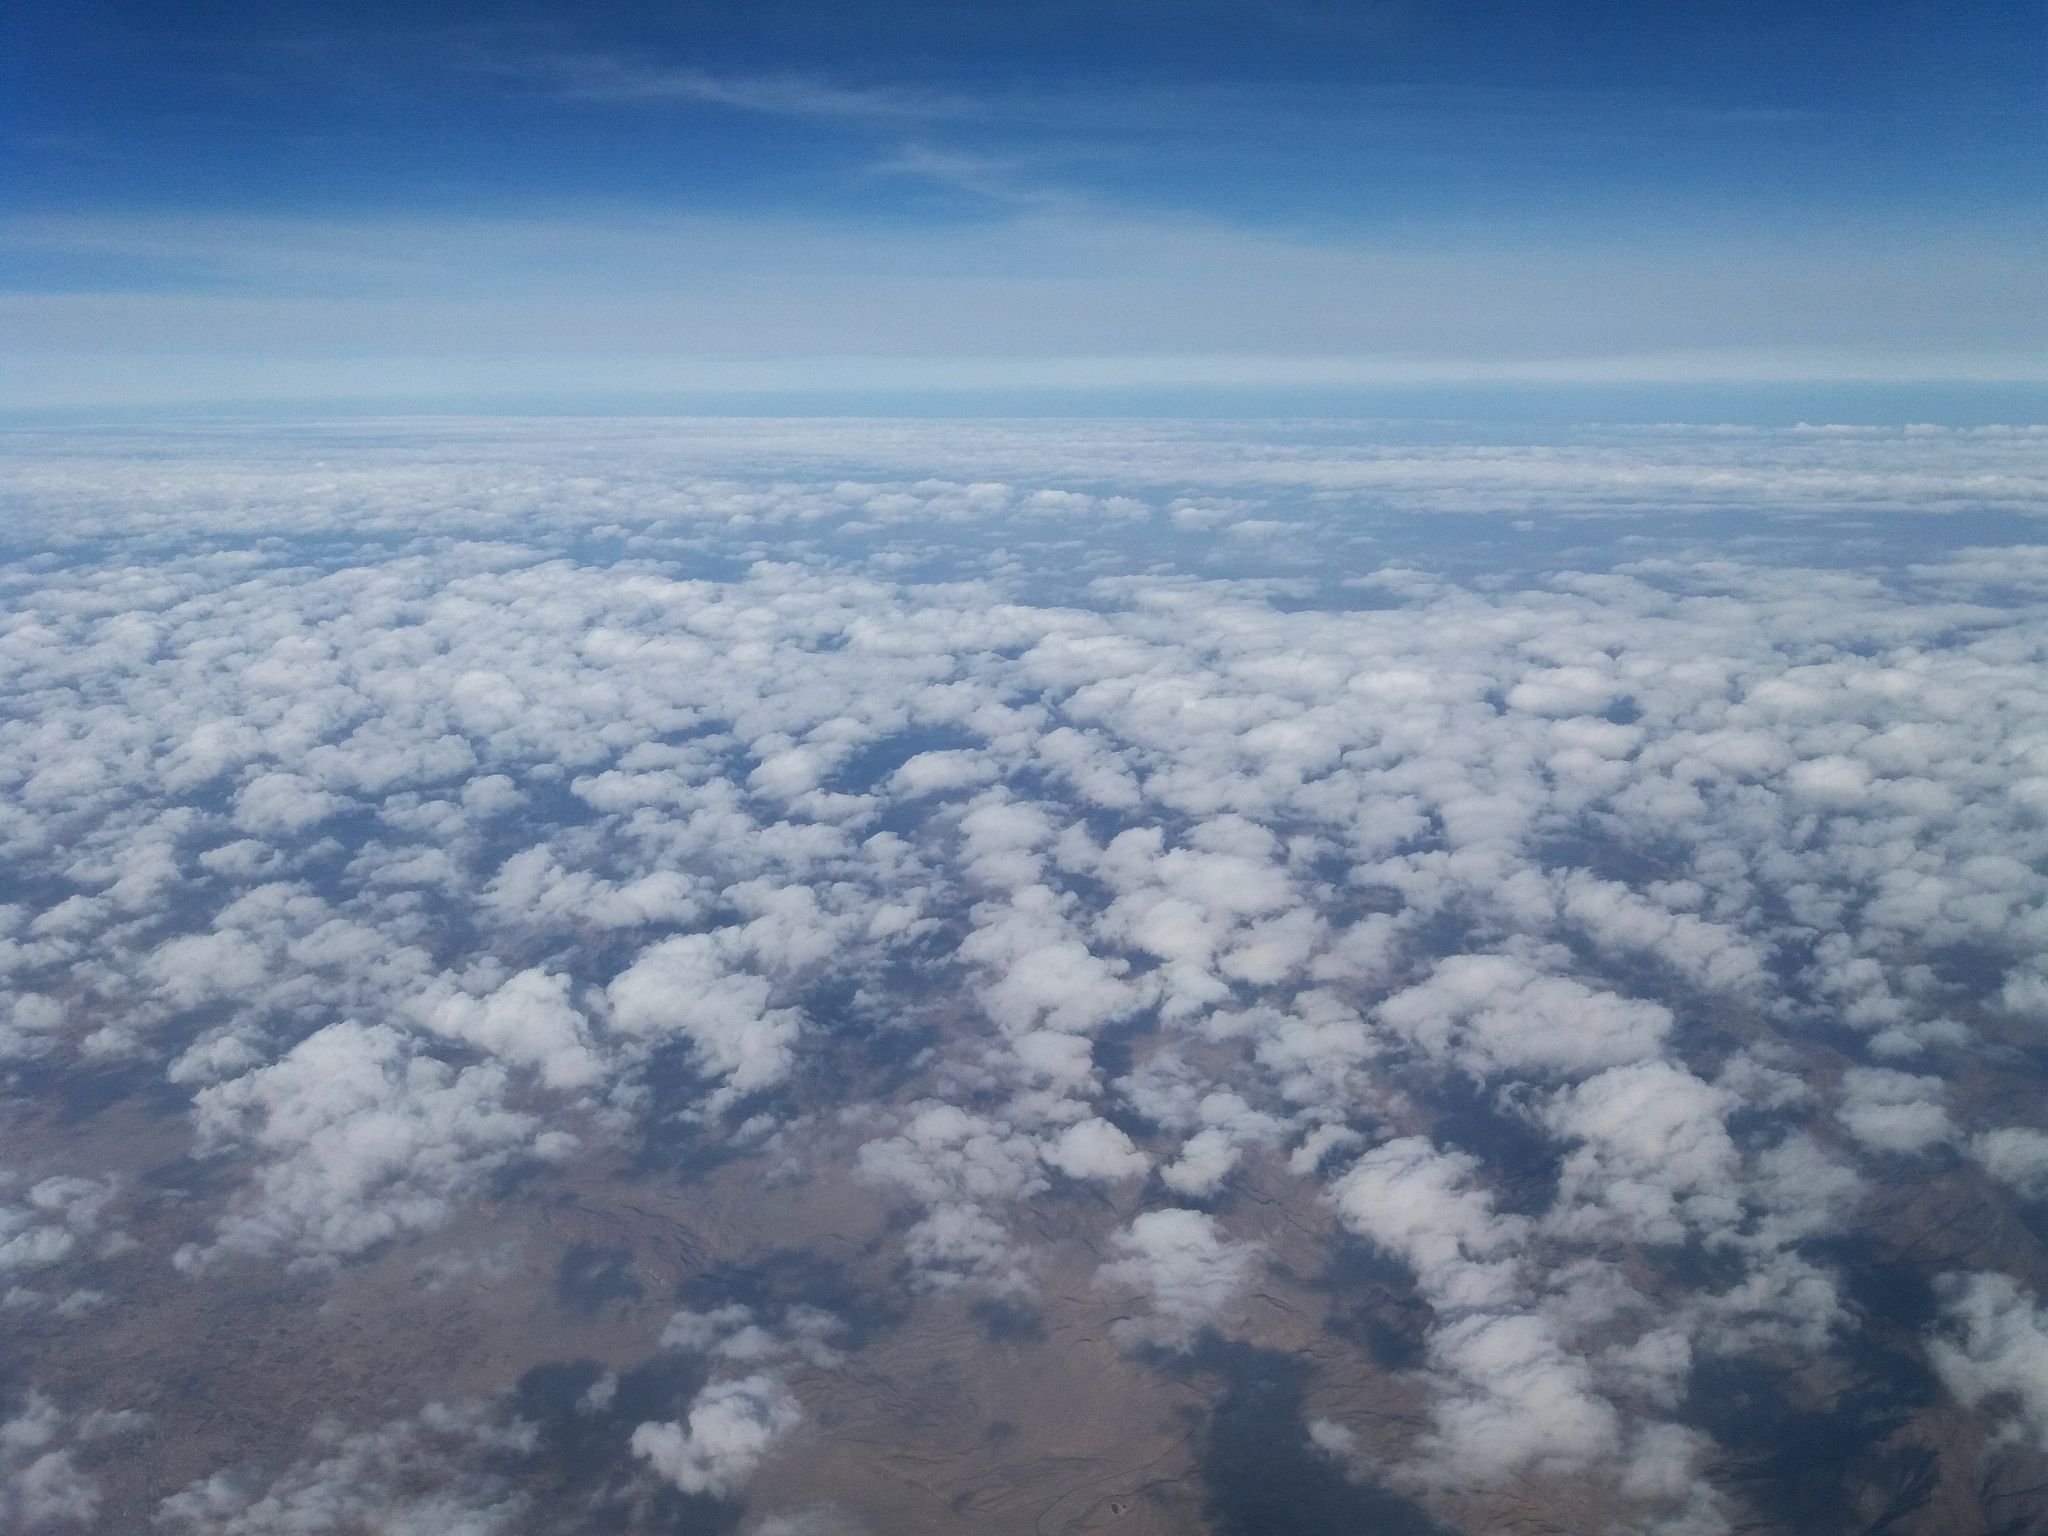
[[601, 78]]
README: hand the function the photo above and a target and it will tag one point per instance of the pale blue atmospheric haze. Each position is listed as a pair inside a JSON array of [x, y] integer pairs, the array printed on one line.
[[922, 205]]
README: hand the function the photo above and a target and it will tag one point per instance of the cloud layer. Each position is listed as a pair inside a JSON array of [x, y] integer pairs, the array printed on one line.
[[1138, 878]]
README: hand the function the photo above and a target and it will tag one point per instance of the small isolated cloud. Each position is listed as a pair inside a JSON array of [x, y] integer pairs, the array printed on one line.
[[961, 1167], [944, 1152], [1428, 1209], [1651, 1154], [1993, 1346], [1893, 1111], [1564, 691], [1189, 1273], [1834, 782], [2014, 1155], [956, 1244], [742, 1335], [529, 1022], [43, 1485], [729, 1429], [358, 1137], [691, 986], [452, 1470], [1228, 1124], [817, 1521], [733, 1423], [1494, 1013], [1095, 1149], [932, 773], [1206, 1159], [1332, 1439], [50, 1221], [287, 803], [1514, 1398]]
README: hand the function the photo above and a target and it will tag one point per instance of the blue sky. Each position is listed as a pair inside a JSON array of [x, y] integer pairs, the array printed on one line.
[[306, 201]]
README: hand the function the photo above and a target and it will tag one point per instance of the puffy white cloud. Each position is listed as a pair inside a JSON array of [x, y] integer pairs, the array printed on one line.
[[428, 1473], [1307, 1158], [1711, 955], [43, 1487], [529, 1021], [1495, 1013], [1801, 1191], [283, 802], [1520, 1401], [1576, 690], [931, 773], [1095, 1149], [738, 1333], [820, 1521], [733, 1422], [1893, 1111], [1834, 781], [944, 1152], [196, 967], [1188, 1271], [1041, 970], [47, 1225], [1993, 1344], [1205, 1161], [2015, 1155], [1651, 1154], [532, 890], [687, 986], [359, 1138], [1428, 1209], [956, 1244], [1207, 1158], [956, 1165], [729, 1429], [1513, 1395]]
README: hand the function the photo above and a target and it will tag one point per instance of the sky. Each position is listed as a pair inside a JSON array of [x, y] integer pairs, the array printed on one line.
[[450, 201]]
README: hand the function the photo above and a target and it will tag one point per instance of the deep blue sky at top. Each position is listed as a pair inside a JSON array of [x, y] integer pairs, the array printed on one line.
[[398, 184], [1328, 113]]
